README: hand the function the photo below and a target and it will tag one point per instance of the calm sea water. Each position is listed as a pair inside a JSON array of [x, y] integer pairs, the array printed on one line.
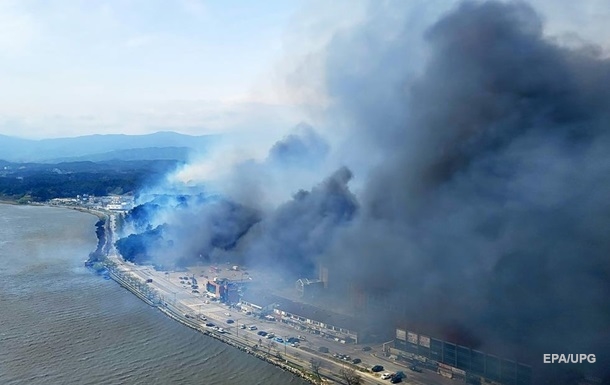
[[60, 324]]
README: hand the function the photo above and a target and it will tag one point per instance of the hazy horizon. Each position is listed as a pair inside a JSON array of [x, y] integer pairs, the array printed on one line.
[[193, 66]]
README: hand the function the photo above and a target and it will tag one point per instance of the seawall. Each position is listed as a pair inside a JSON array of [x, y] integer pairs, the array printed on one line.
[[286, 364]]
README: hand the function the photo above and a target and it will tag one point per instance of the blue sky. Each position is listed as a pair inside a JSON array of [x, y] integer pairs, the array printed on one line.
[[97, 61], [76, 67]]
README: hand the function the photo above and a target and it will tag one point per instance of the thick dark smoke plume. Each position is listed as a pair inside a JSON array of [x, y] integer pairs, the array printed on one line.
[[293, 236], [484, 216], [489, 214]]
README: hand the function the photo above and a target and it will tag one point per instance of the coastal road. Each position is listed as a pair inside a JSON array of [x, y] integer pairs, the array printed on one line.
[[179, 296]]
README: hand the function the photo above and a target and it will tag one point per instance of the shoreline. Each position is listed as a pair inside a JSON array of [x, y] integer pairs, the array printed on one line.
[[99, 214], [149, 296], [297, 364], [9, 202], [174, 313]]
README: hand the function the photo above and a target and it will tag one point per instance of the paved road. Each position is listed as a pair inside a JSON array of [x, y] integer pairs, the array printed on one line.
[[180, 296]]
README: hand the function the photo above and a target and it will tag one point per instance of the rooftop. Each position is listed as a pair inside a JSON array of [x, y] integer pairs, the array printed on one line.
[[302, 309]]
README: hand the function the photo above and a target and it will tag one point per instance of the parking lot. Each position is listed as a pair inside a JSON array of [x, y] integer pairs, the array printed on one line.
[[176, 289]]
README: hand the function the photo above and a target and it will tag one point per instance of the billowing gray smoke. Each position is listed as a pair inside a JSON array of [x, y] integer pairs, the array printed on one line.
[[194, 228], [294, 162], [289, 236], [485, 212], [490, 213], [303, 147], [294, 235]]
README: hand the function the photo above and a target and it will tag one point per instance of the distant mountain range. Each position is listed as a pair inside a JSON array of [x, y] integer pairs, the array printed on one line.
[[158, 146]]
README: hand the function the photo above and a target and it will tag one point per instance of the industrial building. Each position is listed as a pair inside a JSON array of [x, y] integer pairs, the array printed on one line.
[[458, 362]]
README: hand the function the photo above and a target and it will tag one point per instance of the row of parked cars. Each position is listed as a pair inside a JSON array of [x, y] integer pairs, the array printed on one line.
[[293, 341], [346, 357], [394, 378], [210, 325]]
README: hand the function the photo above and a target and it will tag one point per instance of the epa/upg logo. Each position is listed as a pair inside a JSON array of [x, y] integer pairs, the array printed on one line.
[[569, 358]]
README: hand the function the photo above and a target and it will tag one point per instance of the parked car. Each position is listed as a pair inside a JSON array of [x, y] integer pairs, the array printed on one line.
[[262, 333], [386, 375], [230, 321], [253, 327], [398, 377], [356, 361], [415, 368], [366, 348], [377, 368]]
